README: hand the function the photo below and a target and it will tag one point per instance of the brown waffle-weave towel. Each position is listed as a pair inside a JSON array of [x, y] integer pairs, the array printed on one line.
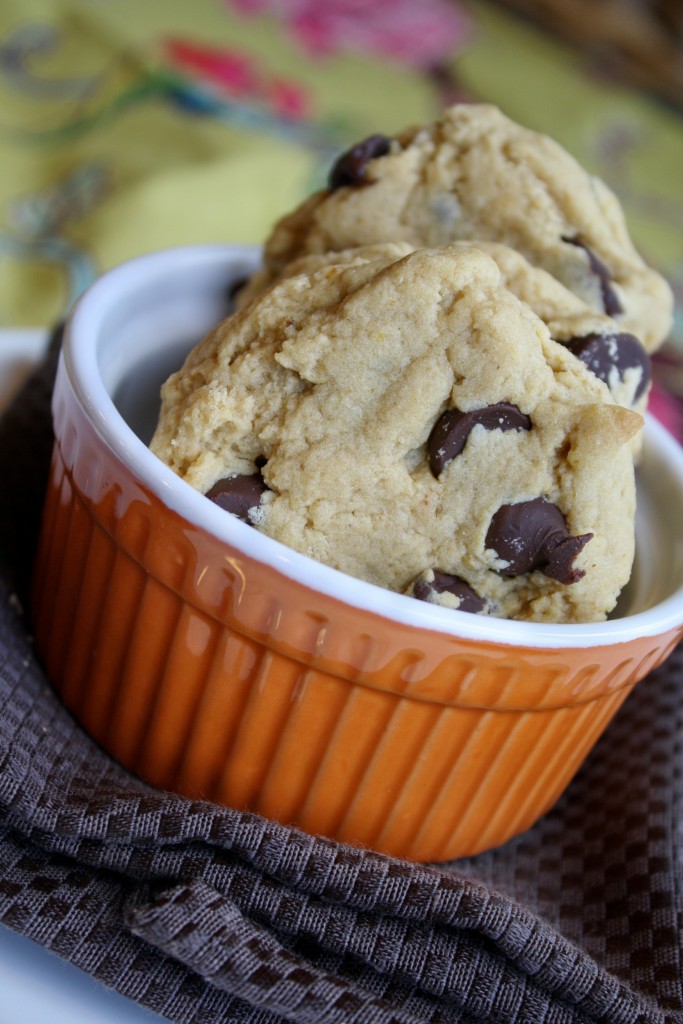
[[204, 914]]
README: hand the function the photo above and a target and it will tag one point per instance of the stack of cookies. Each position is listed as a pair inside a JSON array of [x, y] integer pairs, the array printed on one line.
[[435, 383]]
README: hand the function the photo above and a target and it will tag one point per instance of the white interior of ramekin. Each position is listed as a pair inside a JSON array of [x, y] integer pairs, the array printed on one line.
[[135, 325]]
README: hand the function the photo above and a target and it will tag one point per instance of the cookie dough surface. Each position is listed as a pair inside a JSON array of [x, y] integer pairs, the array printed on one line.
[[617, 358], [327, 389], [476, 175]]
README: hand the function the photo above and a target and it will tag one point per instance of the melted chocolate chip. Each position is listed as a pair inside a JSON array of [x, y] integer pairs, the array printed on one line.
[[445, 583], [238, 494], [533, 535], [451, 430], [350, 167], [604, 352], [610, 299]]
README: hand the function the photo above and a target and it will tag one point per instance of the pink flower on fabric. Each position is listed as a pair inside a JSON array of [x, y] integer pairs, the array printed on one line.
[[666, 397], [668, 409], [226, 67], [238, 75], [416, 32]]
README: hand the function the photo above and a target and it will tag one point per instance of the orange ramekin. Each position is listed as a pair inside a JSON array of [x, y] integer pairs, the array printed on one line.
[[215, 662]]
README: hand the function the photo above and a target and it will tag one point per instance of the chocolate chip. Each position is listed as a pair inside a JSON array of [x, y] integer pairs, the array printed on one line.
[[350, 167], [451, 430], [445, 583], [238, 494], [533, 535], [610, 299], [604, 352]]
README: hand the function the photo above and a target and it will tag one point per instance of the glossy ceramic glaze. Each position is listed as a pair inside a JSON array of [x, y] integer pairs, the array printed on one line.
[[215, 662]]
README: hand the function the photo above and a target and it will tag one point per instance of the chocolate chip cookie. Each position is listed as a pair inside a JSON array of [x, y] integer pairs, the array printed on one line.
[[614, 356], [403, 417], [476, 175]]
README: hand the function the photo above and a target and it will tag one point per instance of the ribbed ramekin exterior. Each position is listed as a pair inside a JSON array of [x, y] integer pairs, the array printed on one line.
[[216, 677]]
